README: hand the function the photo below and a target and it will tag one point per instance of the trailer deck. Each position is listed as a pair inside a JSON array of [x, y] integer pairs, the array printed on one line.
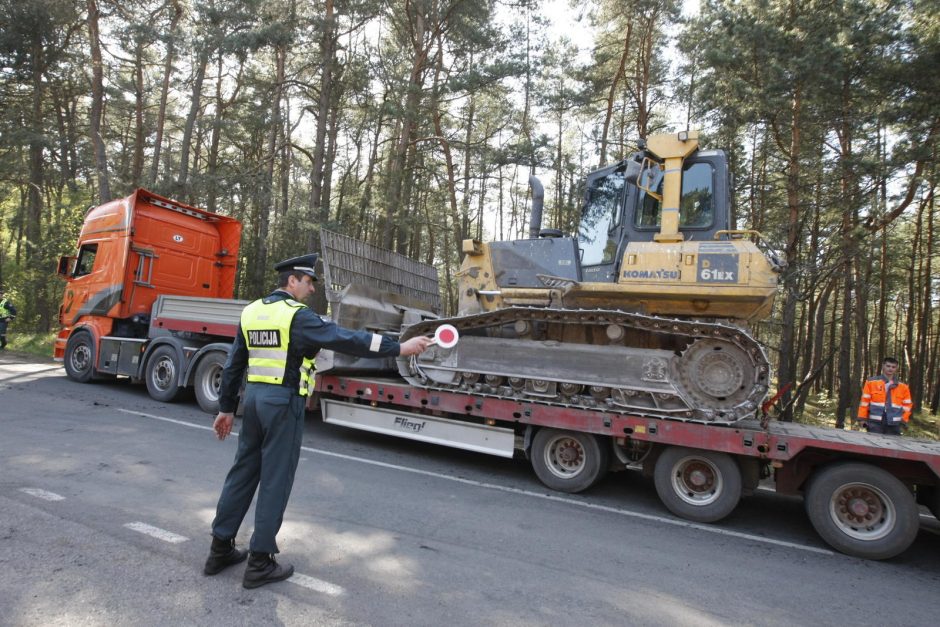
[[792, 449]]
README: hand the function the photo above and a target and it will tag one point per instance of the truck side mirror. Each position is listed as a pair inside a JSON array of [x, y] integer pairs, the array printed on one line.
[[66, 264]]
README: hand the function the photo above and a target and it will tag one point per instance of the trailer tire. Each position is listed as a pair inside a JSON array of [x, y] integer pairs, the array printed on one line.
[[703, 486], [80, 357], [569, 461], [862, 510], [208, 381], [162, 374]]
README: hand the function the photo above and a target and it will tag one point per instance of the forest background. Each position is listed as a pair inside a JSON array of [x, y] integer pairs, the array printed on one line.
[[415, 123]]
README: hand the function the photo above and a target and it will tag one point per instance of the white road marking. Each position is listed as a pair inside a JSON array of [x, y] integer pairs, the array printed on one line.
[[43, 494], [317, 585], [548, 497], [156, 532], [165, 419]]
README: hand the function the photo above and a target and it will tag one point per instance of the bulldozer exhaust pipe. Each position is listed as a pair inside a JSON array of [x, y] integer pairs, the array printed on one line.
[[538, 199]]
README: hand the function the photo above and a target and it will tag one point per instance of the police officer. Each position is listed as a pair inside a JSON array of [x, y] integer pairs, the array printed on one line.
[[886, 402], [7, 314], [277, 340]]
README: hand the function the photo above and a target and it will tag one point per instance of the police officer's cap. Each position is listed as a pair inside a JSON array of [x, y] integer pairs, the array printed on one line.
[[304, 263]]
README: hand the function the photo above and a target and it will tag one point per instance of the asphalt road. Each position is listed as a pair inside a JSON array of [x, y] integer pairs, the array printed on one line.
[[106, 498]]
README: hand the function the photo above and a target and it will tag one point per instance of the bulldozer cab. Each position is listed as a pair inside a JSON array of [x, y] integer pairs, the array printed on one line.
[[617, 211]]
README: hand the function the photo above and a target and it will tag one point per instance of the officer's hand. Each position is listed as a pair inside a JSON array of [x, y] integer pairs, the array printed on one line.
[[415, 346], [223, 424]]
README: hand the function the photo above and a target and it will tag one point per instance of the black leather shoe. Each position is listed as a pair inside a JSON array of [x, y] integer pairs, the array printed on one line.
[[262, 569], [223, 554]]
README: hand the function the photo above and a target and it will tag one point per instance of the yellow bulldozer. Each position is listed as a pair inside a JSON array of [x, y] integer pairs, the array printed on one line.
[[644, 311]]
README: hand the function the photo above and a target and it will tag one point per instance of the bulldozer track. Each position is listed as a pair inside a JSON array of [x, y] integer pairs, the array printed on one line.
[[720, 376]]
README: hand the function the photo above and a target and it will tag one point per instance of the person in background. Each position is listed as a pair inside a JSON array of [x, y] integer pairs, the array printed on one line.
[[886, 402], [7, 314], [278, 338]]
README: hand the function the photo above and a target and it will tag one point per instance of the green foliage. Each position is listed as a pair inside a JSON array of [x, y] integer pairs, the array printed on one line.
[[35, 344]]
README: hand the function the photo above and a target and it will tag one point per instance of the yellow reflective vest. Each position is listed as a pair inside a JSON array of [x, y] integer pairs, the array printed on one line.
[[266, 330]]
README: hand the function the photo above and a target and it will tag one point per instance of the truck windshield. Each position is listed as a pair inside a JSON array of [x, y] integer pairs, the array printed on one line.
[[600, 214], [697, 207]]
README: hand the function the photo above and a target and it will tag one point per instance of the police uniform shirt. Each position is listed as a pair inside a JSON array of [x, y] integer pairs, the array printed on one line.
[[308, 334]]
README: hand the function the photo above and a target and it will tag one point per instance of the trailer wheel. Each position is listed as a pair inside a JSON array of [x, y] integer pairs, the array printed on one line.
[[703, 486], [80, 357], [568, 461], [862, 510], [162, 375], [208, 381]]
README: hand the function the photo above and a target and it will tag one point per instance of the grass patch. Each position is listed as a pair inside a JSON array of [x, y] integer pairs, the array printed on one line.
[[37, 344]]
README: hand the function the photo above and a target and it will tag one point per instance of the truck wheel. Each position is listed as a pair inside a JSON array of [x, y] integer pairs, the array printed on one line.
[[862, 510], [162, 374], [80, 357], [569, 461], [208, 381], [703, 486]]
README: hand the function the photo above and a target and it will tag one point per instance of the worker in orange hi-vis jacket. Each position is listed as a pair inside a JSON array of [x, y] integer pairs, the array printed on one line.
[[886, 402]]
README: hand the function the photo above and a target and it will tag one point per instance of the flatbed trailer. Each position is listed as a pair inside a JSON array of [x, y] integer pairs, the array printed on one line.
[[861, 490]]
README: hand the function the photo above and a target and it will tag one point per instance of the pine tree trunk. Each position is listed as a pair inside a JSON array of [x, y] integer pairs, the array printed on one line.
[[195, 105], [332, 144], [327, 55], [265, 201], [786, 368], [213, 156], [926, 313], [611, 93], [456, 222], [97, 103], [397, 182], [165, 90], [137, 165]]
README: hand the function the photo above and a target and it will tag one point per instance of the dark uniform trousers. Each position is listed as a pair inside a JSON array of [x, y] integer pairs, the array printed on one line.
[[875, 426], [268, 451]]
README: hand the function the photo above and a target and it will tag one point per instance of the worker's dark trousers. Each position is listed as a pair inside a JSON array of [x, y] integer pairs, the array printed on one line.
[[875, 426], [3, 334], [268, 451]]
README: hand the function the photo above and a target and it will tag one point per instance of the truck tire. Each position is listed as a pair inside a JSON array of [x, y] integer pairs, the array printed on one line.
[[569, 461], [862, 510], [208, 381], [80, 357], [162, 374], [703, 486]]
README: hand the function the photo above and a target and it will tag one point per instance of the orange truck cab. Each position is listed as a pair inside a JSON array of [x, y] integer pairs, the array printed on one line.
[[149, 295]]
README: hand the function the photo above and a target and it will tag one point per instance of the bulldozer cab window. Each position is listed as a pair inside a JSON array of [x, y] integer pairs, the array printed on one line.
[[600, 215], [86, 260], [697, 206]]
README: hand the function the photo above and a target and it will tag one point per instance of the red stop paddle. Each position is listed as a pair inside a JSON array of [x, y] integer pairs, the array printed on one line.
[[446, 336]]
